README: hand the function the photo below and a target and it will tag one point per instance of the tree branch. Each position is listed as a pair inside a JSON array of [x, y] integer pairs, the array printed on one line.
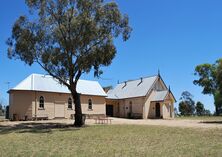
[[50, 73], [78, 76]]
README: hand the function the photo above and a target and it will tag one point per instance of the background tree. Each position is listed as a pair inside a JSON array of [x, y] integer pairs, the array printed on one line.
[[176, 111], [183, 108], [187, 104], [1, 110], [218, 102], [207, 113], [200, 108], [210, 78], [68, 38], [2, 107]]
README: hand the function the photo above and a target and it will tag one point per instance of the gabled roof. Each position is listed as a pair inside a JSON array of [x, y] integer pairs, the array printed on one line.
[[46, 83], [131, 89], [160, 95]]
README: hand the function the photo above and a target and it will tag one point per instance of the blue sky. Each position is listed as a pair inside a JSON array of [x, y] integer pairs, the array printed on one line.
[[173, 36]]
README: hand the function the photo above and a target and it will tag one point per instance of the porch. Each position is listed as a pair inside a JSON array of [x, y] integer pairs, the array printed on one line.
[[127, 108], [161, 110]]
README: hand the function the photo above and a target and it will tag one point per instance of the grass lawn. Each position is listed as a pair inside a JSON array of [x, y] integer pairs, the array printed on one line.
[[112, 140], [204, 118]]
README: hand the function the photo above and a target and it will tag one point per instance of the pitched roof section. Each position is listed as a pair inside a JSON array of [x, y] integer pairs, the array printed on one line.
[[160, 95], [131, 89], [46, 83]]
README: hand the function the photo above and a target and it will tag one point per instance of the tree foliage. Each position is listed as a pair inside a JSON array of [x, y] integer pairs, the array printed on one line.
[[187, 104], [210, 78], [207, 112], [218, 102], [68, 38], [200, 110], [2, 109]]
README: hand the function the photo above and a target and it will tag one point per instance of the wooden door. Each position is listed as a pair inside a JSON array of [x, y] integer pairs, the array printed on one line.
[[157, 110], [109, 110], [59, 110]]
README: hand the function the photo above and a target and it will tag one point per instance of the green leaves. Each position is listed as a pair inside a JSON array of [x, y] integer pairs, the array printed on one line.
[[200, 108], [210, 78], [187, 104], [206, 74], [69, 36]]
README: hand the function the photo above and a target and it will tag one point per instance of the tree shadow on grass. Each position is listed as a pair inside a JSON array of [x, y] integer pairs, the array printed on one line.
[[37, 128], [211, 122]]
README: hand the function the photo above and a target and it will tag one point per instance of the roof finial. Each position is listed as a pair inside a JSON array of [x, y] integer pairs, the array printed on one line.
[[159, 72], [169, 88]]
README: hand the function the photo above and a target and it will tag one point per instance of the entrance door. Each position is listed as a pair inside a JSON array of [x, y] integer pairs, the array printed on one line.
[[109, 110], [59, 110], [157, 110]]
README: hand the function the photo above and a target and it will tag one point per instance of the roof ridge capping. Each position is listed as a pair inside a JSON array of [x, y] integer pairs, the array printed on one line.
[[49, 76], [139, 78]]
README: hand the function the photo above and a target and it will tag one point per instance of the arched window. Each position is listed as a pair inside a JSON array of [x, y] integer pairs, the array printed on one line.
[[70, 103], [41, 102], [90, 104]]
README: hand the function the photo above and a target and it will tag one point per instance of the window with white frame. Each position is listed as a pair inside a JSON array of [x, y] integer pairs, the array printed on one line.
[[90, 104], [41, 102], [70, 103]]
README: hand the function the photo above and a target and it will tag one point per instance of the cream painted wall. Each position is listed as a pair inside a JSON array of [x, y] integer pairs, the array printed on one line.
[[142, 105], [121, 108], [23, 105], [147, 106], [26, 103], [164, 110]]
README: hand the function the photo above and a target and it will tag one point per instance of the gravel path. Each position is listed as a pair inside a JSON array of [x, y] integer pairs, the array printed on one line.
[[171, 123], [121, 121]]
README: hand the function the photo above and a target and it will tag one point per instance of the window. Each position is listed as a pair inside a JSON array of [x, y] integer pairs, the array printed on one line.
[[131, 106], [41, 102], [70, 103], [90, 104]]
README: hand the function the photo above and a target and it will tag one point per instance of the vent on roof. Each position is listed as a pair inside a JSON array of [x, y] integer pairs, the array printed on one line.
[[124, 85], [141, 81]]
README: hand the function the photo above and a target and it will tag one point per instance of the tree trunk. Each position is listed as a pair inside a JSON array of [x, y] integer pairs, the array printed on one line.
[[78, 110], [217, 110]]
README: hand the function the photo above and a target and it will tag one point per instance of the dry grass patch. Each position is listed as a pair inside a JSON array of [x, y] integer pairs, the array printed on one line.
[[114, 140], [216, 119]]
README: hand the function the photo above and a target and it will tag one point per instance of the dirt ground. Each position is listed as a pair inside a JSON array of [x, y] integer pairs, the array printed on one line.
[[120, 121]]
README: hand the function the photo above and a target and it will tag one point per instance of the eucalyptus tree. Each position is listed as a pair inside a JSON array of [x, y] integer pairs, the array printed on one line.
[[68, 38], [210, 78]]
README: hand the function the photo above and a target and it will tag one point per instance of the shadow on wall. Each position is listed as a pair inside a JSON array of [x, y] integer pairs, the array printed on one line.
[[36, 128]]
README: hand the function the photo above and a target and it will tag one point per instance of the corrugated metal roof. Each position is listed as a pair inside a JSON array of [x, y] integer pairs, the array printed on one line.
[[160, 95], [131, 89], [38, 82]]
